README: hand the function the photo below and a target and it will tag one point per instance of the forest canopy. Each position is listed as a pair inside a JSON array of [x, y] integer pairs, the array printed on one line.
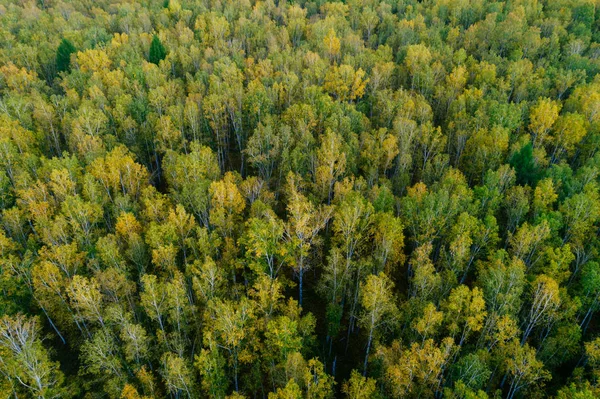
[[299, 199]]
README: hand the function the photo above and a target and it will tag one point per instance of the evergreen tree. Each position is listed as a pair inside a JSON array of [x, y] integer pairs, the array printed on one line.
[[157, 51], [63, 55], [524, 163]]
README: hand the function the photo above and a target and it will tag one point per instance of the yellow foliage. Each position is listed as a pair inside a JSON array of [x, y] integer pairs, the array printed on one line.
[[93, 60], [332, 44], [344, 83]]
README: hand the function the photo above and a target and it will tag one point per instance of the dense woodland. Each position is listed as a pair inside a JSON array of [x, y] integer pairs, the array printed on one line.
[[299, 199]]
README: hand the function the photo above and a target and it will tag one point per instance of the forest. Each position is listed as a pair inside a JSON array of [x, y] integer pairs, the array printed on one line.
[[299, 199]]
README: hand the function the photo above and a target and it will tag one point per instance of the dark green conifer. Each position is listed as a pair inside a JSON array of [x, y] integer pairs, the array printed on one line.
[[157, 51], [525, 167], [63, 55]]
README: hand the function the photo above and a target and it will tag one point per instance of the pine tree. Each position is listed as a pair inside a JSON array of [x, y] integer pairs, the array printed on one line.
[[157, 51], [63, 55], [524, 164]]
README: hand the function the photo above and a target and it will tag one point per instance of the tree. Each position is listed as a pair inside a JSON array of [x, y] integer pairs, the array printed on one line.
[[25, 363], [177, 375], [63, 55], [379, 308], [230, 323], [207, 278], [502, 282], [485, 151], [180, 311], [302, 228], [264, 241], [418, 58], [590, 287], [359, 387], [527, 241], [388, 242], [101, 356], [317, 384], [522, 367], [333, 285], [525, 166], [136, 342], [227, 205], [331, 164], [464, 312], [415, 370], [332, 45], [428, 324], [290, 391], [351, 225], [428, 212], [157, 51], [471, 371], [379, 149], [189, 177], [425, 283], [86, 298], [460, 390], [264, 149], [544, 303], [211, 366], [576, 392], [344, 83], [568, 131], [541, 119], [580, 212], [153, 299], [516, 202]]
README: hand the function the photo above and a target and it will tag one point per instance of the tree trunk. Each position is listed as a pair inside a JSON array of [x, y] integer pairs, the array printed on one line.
[[300, 283], [368, 350]]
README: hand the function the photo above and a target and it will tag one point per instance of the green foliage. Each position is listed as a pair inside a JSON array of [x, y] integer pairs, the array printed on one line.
[[63, 55], [525, 165], [303, 199], [157, 51]]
